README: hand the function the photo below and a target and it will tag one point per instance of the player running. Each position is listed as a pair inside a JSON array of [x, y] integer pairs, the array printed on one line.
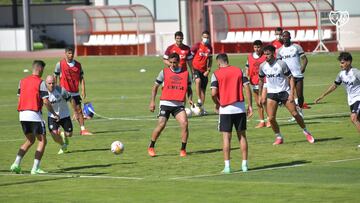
[[227, 84], [252, 72], [280, 88], [294, 56], [181, 49], [32, 95], [176, 83], [202, 52], [58, 97], [71, 75], [350, 78]]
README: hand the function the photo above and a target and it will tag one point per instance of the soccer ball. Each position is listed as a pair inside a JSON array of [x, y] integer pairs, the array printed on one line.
[[188, 112], [196, 110], [117, 147]]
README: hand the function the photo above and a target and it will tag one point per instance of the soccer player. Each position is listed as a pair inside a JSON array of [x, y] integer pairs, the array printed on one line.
[[176, 83], [294, 56], [58, 97], [227, 85], [280, 88], [350, 78], [202, 52], [32, 95], [278, 42], [181, 49], [252, 72], [71, 75]]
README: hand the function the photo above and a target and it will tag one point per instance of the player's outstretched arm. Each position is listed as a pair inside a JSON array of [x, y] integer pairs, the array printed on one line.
[[189, 94], [83, 92], [50, 108], [328, 91], [215, 98], [153, 96]]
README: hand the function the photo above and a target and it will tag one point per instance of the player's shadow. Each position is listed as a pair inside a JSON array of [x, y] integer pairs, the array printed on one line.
[[88, 150], [62, 170], [280, 165], [116, 131], [33, 181], [207, 151], [318, 140]]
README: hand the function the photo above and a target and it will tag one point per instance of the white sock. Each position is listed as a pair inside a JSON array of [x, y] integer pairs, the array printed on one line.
[[297, 101], [278, 135], [262, 121], [244, 162], [36, 164], [227, 163], [82, 127], [17, 160]]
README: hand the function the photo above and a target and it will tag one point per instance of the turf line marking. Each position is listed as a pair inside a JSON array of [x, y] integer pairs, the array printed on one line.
[[343, 160], [73, 176], [250, 171]]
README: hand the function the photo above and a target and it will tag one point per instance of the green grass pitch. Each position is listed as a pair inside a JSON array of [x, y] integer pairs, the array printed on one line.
[[327, 171]]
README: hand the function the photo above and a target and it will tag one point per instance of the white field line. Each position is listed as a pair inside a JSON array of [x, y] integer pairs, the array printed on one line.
[[343, 160], [73, 176], [250, 171]]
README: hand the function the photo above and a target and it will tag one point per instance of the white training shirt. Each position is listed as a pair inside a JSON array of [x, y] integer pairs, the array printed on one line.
[[234, 108], [351, 81], [58, 98], [160, 81], [291, 55], [276, 76], [34, 116]]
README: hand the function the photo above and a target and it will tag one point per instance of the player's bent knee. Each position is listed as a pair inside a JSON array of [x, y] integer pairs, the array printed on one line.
[[68, 134]]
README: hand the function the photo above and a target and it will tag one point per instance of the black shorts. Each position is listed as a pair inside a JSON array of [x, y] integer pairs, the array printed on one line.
[[165, 111], [203, 80], [226, 122], [355, 107], [65, 123], [296, 80], [33, 127], [77, 99], [280, 97]]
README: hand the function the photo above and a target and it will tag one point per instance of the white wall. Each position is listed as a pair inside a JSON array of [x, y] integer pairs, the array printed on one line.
[[12, 39], [350, 34]]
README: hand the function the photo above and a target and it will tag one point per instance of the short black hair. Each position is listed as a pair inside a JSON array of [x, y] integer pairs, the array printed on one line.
[[346, 56], [205, 32], [70, 48], [174, 55], [257, 42], [279, 29], [179, 33], [270, 48], [38, 63], [222, 57], [287, 33]]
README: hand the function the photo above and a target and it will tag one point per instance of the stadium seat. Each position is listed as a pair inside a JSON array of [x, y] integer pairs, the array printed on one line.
[[327, 34], [300, 36], [123, 39], [92, 40], [132, 39], [147, 38], [247, 36], [108, 40], [239, 36], [309, 35], [115, 39], [100, 40], [265, 36], [272, 36], [256, 35], [141, 39], [316, 35], [230, 37]]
